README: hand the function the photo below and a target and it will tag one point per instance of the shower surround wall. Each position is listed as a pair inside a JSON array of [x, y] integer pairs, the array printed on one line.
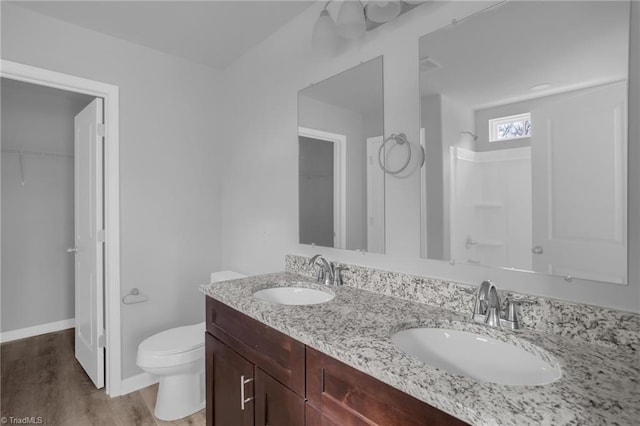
[[37, 214], [491, 218]]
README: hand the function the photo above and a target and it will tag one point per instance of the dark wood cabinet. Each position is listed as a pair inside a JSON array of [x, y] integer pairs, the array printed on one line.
[[341, 395], [276, 405], [275, 353], [241, 394], [225, 394], [284, 383], [255, 374]]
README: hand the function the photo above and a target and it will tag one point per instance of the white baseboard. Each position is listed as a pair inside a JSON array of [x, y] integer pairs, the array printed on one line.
[[37, 330], [137, 382]]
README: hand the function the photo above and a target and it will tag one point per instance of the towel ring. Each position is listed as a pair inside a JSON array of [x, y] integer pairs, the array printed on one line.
[[400, 139]]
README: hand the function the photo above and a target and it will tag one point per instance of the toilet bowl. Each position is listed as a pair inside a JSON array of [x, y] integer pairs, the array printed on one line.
[[177, 357]]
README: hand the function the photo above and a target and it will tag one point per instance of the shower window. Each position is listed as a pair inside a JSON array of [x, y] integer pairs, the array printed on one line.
[[510, 127]]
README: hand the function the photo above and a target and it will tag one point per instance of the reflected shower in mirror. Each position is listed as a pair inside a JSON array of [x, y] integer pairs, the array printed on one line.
[[341, 186], [524, 122]]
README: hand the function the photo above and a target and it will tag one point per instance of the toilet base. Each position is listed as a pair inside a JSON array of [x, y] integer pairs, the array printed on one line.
[[180, 396]]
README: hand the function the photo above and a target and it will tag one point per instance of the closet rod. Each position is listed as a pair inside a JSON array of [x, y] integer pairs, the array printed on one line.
[[41, 153]]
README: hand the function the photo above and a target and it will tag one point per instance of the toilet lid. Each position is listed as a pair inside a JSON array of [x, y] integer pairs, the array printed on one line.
[[174, 340]]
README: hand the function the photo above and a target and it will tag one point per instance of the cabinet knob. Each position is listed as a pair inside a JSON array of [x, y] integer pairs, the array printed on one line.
[[537, 250]]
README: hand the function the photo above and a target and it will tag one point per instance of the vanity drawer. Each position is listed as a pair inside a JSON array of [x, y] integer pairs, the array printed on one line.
[[341, 395], [277, 354]]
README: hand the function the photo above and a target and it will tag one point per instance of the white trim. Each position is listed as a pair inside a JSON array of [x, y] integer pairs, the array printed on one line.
[[36, 330], [424, 242], [495, 156], [339, 181], [534, 94], [376, 223], [109, 93], [137, 382]]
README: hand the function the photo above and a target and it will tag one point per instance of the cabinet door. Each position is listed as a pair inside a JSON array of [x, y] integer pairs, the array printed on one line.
[[314, 418], [229, 384], [344, 396], [276, 405], [275, 353]]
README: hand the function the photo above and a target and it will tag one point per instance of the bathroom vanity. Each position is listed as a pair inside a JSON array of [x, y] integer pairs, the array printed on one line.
[[257, 375], [334, 363]]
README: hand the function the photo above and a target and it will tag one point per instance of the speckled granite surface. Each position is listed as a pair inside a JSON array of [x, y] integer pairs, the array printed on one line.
[[590, 324], [599, 385]]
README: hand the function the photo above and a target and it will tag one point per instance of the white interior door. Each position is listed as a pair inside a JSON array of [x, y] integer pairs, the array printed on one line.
[[375, 197], [579, 185], [89, 241]]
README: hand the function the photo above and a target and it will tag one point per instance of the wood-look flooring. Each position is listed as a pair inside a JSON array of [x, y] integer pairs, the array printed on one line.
[[41, 378]]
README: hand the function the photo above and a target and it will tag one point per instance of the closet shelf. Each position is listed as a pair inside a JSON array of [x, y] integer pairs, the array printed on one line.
[[22, 152], [39, 153], [489, 243]]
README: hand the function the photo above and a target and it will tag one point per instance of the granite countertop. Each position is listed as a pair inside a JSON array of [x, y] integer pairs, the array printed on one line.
[[599, 385]]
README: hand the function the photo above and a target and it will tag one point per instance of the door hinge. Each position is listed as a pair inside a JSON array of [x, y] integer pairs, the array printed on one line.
[[100, 236], [100, 130], [101, 341]]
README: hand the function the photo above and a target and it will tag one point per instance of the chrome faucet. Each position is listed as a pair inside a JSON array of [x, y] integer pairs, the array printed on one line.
[[493, 308], [328, 273], [487, 308], [325, 269], [487, 300]]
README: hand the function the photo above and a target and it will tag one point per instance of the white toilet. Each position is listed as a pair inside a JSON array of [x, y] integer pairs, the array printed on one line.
[[177, 356]]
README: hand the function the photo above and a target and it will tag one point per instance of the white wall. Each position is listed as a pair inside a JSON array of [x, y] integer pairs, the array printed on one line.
[[373, 123], [266, 111], [169, 171], [259, 216], [37, 217], [433, 188]]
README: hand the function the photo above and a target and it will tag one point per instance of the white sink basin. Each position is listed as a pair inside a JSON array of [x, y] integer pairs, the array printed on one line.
[[476, 356], [294, 295]]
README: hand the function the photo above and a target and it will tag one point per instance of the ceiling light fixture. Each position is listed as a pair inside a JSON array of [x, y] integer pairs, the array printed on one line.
[[325, 34], [351, 20], [382, 11], [354, 19]]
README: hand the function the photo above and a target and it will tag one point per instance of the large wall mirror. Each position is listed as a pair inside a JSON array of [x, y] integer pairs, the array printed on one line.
[[341, 186], [524, 122]]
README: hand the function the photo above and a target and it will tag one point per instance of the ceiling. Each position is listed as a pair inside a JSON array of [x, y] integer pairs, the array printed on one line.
[[213, 33], [496, 57]]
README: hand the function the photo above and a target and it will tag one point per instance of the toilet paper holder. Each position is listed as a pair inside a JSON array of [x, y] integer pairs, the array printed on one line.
[[134, 297]]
